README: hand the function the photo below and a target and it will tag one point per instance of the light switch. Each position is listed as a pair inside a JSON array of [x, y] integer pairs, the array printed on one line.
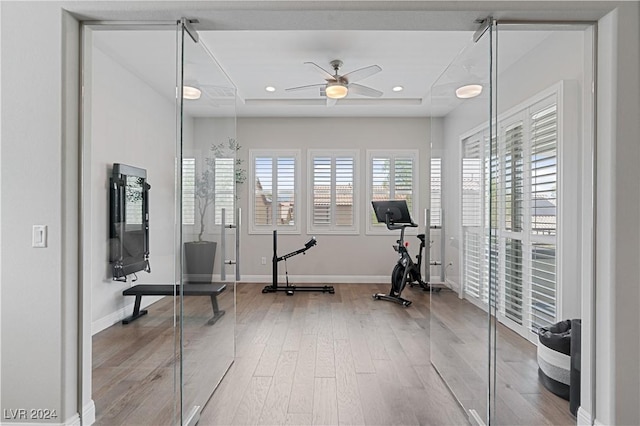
[[39, 236]]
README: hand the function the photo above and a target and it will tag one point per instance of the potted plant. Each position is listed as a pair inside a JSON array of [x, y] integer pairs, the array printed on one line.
[[200, 254]]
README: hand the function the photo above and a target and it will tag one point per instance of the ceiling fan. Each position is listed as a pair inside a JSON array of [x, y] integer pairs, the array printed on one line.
[[338, 86]]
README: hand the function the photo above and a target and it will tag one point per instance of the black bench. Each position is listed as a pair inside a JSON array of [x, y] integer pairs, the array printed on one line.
[[212, 290]]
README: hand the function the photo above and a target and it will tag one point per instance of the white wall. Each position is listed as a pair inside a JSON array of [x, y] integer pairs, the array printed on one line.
[[39, 286], [336, 257], [617, 337], [135, 125]]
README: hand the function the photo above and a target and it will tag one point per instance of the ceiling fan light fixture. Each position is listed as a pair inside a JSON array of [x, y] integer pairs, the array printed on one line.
[[469, 91], [270, 89], [190, 92], [336, 90], [398, 88]]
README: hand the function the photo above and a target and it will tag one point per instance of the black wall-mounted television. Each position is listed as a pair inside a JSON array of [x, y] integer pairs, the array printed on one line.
[[128, 221]]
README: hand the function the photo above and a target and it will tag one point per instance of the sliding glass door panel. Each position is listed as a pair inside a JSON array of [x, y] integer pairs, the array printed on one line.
[[540, 117], [460, 340], [208, 173]]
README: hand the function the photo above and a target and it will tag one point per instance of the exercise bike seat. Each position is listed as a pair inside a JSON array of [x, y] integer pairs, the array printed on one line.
[[421, 237]]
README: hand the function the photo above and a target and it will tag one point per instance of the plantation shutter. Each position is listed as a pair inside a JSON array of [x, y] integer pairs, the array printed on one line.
[[322, 191], [544, 180], [543, 285], [513, 293], [188, 191], [263, 196], [275, 205], [474, 238], [436, 192], [344, 191], [381, 178], [513, 221], [403, 183], [473, 264], [513, 178], [286, 175], [224, 198], [332, 192], [471, 184], [544, 138]]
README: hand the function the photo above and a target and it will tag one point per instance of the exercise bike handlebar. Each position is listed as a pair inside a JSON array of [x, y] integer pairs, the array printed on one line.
[[392, 226]]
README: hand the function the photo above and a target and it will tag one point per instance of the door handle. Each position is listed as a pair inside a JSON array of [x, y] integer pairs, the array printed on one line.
[[223, 248]]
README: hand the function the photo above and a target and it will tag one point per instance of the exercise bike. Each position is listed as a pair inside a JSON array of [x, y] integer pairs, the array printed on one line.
[[395, 214]]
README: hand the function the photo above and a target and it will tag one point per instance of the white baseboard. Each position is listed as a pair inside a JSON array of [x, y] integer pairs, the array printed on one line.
[[320, 279], [73, 421], [584, 418], [89, 414], [452, 285], [115, 317]]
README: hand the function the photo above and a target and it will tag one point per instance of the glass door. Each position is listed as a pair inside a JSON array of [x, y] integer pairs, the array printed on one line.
[[460, 315], [515, 115], [541, 215], [207, 174]]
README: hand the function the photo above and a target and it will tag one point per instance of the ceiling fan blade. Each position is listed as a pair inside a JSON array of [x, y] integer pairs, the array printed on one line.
[[362, 73], [359, 89], [331, 102], [309, 86], [326, 74]]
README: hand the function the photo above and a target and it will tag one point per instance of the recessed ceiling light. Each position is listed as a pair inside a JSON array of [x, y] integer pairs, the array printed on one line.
[[270, 89], [468, 91], [398, 89], [190, 92]]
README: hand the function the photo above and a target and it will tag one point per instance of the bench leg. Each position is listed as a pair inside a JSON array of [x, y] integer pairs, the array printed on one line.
[[137, 312], [217, 313]]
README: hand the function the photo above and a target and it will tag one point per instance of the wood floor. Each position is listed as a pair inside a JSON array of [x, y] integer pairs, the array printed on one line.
[[313, 359]]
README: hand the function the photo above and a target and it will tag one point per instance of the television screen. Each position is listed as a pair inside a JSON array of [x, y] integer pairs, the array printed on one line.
[[395, 210]]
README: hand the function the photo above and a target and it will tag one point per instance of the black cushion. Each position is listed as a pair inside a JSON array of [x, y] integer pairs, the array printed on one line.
[[557, 337]]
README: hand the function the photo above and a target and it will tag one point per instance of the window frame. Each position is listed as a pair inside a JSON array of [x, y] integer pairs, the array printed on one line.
[[333, 228], [393, 155], [274, 154]]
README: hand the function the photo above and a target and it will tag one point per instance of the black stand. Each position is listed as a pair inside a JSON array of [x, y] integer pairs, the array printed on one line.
[[274, 267]]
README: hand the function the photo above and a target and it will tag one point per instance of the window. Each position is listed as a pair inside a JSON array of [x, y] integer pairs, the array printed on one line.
[[332, 192], [224, 195], [220, 178], [475, 237], [543, 165], [188, 191], [518, 176], [275, 201], [392, 175], [436, 192]]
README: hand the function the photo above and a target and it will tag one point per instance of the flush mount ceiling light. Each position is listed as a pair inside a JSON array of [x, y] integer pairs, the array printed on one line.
[[398, 89], [468, 91], [270, 89], [190, 92], [336, 90]]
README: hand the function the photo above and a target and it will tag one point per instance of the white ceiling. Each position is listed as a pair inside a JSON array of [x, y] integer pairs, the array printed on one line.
[[256, 59]]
